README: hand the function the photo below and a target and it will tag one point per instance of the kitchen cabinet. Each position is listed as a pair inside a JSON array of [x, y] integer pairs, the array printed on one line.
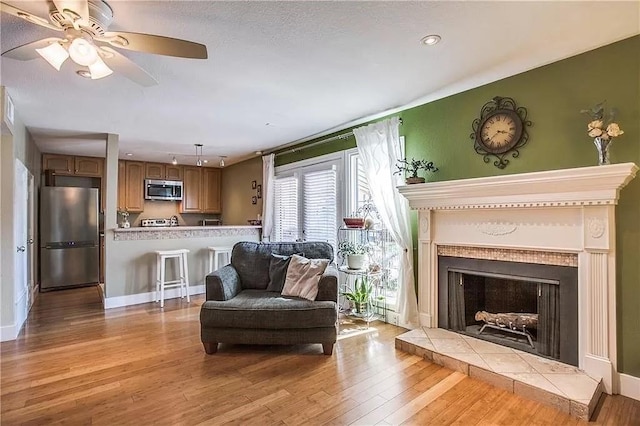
[[211, 190], [192, 190], [131, 186], [70, 165], [163, 171], [60, 164], [88, 166]]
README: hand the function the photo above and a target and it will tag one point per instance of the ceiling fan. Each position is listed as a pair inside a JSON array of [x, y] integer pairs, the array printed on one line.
[[88, 43]]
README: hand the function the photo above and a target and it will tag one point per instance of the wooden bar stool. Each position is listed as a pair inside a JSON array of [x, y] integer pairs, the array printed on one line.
[[183, 274], [214, 253]]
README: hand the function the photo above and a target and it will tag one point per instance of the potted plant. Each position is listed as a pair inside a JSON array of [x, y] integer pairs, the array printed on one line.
[[360, 297], [355, 253], [412, 166]]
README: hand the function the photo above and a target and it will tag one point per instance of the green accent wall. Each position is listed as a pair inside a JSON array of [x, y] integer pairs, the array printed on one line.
[[553, 96]]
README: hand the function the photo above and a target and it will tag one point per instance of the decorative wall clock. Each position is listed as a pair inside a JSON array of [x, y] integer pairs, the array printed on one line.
[[500, 130]]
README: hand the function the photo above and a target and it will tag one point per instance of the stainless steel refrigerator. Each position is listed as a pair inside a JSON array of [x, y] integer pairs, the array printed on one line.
[[69, 246]]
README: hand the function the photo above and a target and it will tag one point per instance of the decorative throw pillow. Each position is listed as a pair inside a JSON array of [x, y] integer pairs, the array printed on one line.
[[303, 276], [277, 272]]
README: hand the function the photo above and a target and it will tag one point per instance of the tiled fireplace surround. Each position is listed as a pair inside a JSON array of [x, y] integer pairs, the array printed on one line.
[[552, 217]]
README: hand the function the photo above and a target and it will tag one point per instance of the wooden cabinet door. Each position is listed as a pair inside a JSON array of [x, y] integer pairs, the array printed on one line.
[[88, 166], [134, 171], [173, 172], [192, 190], [122, 186], [211, 190], [60, 164], [154, 171]]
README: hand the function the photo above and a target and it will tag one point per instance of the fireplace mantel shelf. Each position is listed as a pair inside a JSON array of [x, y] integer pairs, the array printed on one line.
[[599, 185]]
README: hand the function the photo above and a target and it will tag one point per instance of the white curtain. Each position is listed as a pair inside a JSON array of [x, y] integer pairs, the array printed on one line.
[[379, 150], [268, 195]]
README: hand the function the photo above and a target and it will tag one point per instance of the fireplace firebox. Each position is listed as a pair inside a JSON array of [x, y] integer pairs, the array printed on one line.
[[530, 307]]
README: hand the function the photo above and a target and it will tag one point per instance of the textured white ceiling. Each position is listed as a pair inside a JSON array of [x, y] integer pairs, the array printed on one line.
[[303, 67]]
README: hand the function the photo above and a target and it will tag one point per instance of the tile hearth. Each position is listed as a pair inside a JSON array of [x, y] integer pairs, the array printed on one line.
[[550, 382]]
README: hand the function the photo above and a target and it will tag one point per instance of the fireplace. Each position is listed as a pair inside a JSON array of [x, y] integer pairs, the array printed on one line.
[[570, 213], [526, 306]]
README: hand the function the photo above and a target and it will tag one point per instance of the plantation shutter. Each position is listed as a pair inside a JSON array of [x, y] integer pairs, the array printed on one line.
[[320, 209], [286, 209]]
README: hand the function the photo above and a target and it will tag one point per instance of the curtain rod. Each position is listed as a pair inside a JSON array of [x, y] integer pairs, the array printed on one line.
[[345, 135]]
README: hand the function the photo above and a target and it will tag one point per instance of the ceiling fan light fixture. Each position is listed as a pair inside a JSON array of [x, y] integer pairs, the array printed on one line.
[[55, 54], [99, 69], [83, 52]]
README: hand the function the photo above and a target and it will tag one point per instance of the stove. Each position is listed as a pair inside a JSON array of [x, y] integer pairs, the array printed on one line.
[[157, 222]]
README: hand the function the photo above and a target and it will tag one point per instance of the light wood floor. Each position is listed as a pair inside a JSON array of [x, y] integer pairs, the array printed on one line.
[[77, 364]]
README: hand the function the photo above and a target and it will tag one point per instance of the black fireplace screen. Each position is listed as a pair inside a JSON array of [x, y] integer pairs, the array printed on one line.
[[524, 306]]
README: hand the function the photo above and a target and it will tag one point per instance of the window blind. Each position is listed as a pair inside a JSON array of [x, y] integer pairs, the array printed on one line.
[[286, 209], [320, 212]]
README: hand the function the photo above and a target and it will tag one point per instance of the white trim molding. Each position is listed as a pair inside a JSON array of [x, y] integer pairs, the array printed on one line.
[[630, 386], [560, 211], [136, 299], [8, 332]]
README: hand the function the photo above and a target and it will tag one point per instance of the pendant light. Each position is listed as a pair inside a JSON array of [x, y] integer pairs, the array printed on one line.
[[174, 161], [222, 157], [198, 155]]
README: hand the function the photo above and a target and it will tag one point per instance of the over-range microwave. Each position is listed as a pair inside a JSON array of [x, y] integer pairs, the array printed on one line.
[[170, 190]]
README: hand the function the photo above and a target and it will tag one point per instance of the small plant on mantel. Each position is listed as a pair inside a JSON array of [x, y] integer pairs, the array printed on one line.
[[411, 167]]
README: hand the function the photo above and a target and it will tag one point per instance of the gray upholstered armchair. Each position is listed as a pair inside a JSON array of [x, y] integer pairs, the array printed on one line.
[[240, 309]]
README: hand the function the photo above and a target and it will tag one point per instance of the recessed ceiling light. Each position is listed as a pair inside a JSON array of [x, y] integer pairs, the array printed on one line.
[[205, 161], [128, 154], [258, 152], [431, 39], [84, 73]]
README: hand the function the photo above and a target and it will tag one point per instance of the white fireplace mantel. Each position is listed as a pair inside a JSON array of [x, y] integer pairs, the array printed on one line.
[[561, 211]]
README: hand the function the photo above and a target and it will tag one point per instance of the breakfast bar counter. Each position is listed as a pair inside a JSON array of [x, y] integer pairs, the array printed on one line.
[[180, 232], [131, 257]]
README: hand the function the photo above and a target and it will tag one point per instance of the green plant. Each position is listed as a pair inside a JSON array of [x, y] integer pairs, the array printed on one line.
[[347, 247], [361, 294], [412, 166]]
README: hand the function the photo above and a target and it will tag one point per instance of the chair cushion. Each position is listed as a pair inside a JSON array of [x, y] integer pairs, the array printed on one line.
[[267, 310], [303, 276]]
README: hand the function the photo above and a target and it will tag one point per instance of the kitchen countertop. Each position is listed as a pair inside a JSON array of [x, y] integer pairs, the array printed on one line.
[[183, 228]]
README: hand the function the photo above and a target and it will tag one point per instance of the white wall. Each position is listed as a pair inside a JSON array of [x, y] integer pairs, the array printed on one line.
[[16, 144]]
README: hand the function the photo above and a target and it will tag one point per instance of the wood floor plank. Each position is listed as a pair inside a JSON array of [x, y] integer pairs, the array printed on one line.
[[75, 363]]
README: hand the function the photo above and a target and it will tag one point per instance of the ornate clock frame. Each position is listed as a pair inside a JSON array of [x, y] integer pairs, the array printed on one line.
[[496, 106]]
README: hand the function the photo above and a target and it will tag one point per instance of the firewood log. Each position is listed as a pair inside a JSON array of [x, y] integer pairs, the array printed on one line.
[[509, 319]]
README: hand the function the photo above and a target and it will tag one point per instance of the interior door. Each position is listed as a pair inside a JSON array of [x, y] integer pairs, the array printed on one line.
[[31, 232], [20, 237]]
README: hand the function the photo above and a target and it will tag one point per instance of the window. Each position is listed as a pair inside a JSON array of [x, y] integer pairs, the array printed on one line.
[[307, 203], [286, 209]]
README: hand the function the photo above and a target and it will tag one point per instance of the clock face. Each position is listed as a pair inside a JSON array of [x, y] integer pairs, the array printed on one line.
[[500, 131]]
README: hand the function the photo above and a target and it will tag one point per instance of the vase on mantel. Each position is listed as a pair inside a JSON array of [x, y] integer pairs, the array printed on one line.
[[603, 150]]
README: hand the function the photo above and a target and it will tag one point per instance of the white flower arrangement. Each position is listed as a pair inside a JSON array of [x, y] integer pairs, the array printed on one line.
[[601, 127]]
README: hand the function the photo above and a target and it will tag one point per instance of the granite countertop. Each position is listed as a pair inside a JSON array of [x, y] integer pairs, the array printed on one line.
[[184, 228]]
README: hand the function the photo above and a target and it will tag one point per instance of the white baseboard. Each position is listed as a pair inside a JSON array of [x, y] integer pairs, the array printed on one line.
[[8, 332], [630, 386], [136, 299]]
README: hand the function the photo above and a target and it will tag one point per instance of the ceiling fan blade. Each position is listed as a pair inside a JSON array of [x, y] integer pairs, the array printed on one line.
[[70, 7], [11, 10], [155, 44], [125, 66], [27, 52]]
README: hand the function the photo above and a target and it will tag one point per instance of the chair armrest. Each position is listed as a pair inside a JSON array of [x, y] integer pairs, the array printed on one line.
[[223, 284], [328, 285]]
